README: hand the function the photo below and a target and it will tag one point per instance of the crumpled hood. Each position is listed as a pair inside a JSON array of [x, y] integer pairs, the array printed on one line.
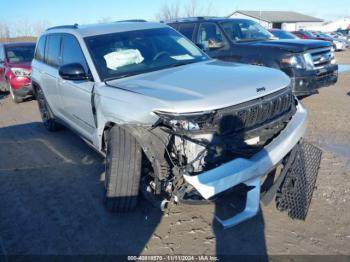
[[205, 86], [291, 45]]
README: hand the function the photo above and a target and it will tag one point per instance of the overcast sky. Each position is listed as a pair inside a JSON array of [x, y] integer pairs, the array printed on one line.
[[90, 11]]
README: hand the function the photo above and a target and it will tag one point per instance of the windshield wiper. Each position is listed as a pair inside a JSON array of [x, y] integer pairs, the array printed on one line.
[[182, 63], [121, 76]]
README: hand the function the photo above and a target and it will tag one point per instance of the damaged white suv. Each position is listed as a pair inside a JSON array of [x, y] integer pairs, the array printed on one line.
[[172, 123]]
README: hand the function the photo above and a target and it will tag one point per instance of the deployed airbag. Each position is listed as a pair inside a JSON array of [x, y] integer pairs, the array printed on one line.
[[122, 58]]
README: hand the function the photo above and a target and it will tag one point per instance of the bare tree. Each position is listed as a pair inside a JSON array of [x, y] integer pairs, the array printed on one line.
[[169, 11], [173, 10], [193, 8], [21, 28], [4, 31], [39, 27]]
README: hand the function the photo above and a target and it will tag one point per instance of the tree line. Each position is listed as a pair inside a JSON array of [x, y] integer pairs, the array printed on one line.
[[28, 31], [176, 9]]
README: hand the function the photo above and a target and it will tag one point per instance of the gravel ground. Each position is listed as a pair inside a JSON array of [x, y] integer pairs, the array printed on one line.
[[51, 192]]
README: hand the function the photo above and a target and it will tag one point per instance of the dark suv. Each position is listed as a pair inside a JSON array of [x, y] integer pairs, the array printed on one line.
[[310, 64]]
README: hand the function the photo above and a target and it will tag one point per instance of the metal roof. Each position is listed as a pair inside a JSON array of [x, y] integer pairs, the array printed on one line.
[[278, 16]]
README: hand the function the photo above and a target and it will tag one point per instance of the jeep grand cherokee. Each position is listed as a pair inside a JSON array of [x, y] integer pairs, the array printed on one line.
[[172, 122]]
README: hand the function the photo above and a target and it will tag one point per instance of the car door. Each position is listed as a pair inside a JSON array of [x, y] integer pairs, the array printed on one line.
[[212, 40], [49, 70], [75, 96], [240, 52]]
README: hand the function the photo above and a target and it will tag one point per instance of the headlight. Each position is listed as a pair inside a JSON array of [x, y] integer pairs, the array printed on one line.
[[333, 61], [20, 72], [296, 61], [185, 121]]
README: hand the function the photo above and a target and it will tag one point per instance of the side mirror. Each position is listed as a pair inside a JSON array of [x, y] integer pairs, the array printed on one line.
[[213, 44], [74, 71]]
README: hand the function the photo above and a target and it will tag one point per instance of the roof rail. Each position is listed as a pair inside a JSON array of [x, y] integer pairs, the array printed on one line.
[[75, 26], [190, 19], [132, 20]]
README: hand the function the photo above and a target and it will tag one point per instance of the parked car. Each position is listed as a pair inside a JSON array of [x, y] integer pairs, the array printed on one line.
[[281, 34], [15, 69], [302, 34], [338, 35], [310, 64], [314, 36], [339, 44], [172, 122], [344, 32]]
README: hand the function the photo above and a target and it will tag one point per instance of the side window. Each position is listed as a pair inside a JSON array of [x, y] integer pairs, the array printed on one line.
[[53, 50], [175, 26], [72, 52], [40, 49], [187, 30], [210, 36]]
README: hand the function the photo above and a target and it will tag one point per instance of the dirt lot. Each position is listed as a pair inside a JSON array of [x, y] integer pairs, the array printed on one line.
[[51, 196]]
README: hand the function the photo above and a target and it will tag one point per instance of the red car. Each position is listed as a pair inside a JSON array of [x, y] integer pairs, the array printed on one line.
[[309, 35], [15, 69]]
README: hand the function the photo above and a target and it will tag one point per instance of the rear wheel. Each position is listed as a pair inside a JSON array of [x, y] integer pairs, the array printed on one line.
[[123, 170], [45, 112]]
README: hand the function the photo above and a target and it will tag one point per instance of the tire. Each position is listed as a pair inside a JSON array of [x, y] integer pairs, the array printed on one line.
[[15, 98], [123, 170], [46, 113]]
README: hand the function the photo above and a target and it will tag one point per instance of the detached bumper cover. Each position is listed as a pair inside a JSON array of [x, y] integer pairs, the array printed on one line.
[[241, 170], [249, 171]]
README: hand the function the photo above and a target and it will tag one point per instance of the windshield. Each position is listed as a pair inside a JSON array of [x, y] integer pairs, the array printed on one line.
[[20, 54], [134, 52], [245, 30], [283, 34]]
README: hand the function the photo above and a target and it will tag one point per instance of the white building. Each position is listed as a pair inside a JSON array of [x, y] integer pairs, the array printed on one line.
[[290, 21], [343, 23]]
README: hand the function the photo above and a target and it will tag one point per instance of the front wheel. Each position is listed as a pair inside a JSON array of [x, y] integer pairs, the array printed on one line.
[[123, 170]]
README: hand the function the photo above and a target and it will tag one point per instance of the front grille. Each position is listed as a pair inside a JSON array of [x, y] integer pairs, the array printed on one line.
[[321, 57], [256, 113]]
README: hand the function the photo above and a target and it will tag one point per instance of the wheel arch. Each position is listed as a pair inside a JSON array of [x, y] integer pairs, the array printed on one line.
[[153, 143]]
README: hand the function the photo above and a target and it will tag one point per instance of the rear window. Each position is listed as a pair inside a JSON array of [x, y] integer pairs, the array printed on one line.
[[53, 50], [40, 49], [20, 54], [187, 30]]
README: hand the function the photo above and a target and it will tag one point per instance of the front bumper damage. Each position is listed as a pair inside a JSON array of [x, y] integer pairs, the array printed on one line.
[[24, 91], [249, 171]]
